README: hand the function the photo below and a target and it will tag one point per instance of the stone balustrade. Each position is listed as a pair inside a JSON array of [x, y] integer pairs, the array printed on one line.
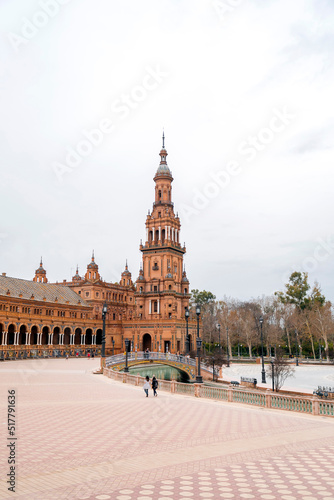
[[303, 404]]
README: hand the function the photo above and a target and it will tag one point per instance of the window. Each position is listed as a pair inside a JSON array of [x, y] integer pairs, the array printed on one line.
[[155, 306], [87, 294]]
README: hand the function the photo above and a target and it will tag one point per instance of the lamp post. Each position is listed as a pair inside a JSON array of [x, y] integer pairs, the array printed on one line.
[[227, 351], [186, 314], [127, 343], [296, 347], [273, 375], [199, 379], [104, 314], [218, 326], [263, 372]]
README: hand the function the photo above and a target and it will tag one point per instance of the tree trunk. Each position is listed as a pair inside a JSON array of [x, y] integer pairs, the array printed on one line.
[[326, 346], [311, 338], [288, 337]]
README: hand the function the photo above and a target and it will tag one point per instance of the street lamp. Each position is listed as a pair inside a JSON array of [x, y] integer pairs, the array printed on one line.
[[263, 372], [218, 326], [127, 343], [296, 348], [199, 379], [227, 352], [187, 314], [104, 314], [273, 375]]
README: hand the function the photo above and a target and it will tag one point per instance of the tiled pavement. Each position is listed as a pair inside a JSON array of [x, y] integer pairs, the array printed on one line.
[[83, 436]]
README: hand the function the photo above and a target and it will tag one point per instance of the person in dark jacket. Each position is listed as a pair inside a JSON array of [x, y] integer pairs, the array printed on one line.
[[154, 386]]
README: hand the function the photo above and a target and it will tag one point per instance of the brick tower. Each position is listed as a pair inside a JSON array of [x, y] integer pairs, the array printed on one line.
[[162, 292]]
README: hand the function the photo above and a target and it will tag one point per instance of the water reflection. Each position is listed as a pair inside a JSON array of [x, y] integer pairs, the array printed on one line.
[[163, 372]]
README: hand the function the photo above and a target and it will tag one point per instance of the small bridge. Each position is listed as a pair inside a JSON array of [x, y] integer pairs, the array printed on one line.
[[182, 363]]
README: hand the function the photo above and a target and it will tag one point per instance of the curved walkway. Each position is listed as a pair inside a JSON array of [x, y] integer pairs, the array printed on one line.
[[84, 436]]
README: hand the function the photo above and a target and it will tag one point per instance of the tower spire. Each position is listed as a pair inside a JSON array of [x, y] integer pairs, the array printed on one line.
[[163, 138]]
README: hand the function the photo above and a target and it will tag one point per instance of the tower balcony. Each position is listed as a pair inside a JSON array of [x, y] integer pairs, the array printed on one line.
[[161, 203], [162, 245]]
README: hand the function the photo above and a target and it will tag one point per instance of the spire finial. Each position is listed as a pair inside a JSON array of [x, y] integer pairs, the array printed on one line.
[[77, 269], [93, 256], [126, 264], [41, 263], [163, 138]]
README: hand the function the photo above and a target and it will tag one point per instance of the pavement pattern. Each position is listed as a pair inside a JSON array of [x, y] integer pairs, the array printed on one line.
[[84, 436]]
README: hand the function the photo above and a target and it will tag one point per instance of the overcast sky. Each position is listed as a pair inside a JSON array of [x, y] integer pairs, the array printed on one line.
[[244, 92]]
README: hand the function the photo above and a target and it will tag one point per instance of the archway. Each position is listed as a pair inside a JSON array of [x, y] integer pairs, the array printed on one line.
[[1, 334], [11, 334], [23, 335], [34, 335], [99, 336], [147, 342], [67, 333], [89, 336], [45, 335], [77, 336], [55, 338]]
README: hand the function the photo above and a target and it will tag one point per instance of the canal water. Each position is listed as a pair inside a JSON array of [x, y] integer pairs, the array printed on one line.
[[163, 372]]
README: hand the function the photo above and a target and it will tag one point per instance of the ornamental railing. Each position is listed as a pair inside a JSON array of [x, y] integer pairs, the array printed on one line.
[[155, 356], [301, 404]]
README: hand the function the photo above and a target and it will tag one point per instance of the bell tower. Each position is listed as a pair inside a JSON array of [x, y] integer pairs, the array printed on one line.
[[162, 289]]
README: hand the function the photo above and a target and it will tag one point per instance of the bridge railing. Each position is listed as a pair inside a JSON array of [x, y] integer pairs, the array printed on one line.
[[155, 356]]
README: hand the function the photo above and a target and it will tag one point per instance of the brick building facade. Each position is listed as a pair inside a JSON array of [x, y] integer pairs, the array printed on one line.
[[40, 318]]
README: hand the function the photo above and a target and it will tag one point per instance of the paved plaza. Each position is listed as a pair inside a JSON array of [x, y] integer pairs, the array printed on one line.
[[84, 436]]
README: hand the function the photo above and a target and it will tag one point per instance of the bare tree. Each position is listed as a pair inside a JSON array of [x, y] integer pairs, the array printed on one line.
[[280, 370], [216, 359]]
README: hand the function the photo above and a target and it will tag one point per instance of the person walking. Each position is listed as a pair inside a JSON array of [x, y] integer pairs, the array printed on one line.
[[154, 386], [146, 385]]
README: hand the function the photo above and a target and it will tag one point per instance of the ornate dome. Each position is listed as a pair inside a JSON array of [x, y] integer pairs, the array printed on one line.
[[163, 169]]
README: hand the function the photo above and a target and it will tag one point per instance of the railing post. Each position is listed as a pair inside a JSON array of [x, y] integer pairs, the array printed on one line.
[[197, 390], [229, 395], [268, 399], [315, 406], [137, 380], [172, 386], [125, 378]]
